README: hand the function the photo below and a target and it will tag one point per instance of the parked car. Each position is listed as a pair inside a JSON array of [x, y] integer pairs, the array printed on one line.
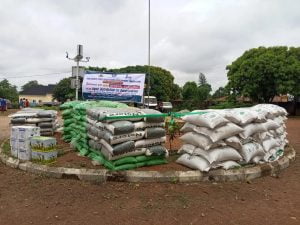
[[165, 106], [150, 101]]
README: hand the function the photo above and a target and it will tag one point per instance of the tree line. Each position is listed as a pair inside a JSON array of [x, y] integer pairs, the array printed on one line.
[[260, 74]]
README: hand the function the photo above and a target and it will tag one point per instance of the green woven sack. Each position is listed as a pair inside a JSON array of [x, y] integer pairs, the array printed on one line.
[[143, 158], [156, 162], [125, 160], [125, 167]]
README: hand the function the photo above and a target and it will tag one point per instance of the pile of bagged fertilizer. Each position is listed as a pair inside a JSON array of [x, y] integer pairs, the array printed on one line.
[[233, 137], [129, 141], [46, 120], [74, 124]]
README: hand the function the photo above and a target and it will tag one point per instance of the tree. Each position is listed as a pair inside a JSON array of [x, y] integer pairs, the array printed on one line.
[[201, 79], [30, 84], [203, 93], [220, 92], [8, 91], [203, 90], [176, 92], [62, 91], [262, 73], [96, 68], [189, 90]]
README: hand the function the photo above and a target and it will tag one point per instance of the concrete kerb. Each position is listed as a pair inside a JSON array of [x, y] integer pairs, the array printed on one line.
[[103, 175]]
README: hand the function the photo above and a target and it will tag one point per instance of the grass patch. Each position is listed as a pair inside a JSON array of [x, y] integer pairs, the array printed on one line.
[[6, 147]]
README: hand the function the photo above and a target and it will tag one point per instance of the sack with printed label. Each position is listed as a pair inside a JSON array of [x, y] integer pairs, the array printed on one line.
[[209, 119], [251, 150], [251, 129], [241, 116]]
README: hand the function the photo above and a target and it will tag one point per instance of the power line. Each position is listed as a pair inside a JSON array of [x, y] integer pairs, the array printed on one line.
[[35, 75]]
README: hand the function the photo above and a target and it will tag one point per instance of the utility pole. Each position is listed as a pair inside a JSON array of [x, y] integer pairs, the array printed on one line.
[[78, 58], [148, 53]]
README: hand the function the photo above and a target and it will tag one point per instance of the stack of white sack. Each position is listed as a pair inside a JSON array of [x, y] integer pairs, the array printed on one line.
[[20, 138], [46, 120], [230, 137], [132, 136]]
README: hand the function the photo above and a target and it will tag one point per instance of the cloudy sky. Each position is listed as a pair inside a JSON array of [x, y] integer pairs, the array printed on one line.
[[187, 36]]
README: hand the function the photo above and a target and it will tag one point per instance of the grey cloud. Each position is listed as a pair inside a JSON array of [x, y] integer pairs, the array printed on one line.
[[187, 37]]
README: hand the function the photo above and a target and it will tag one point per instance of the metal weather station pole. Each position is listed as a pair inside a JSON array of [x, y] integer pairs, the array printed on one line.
[[148, 88], [78, 58]]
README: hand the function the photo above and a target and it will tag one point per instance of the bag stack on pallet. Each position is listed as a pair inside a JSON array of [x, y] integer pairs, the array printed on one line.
[[74, 115], [233, 137], [20, 141], [126, 143], [46, 120]]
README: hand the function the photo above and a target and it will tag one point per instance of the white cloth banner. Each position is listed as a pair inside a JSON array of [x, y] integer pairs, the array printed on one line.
[[127, 87]]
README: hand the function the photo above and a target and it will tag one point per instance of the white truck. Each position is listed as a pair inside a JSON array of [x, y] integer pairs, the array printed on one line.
[[150, 102]]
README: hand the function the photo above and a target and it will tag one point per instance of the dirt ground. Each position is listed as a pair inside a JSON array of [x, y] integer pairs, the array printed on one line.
[[31, 199]]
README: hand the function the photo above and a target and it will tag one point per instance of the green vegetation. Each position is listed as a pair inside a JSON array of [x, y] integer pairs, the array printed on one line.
[[196, 96], [62, 91], [220, 92], [229, 105], [6, 147], [8, 91], [262, 73], [44, 161], [30, 84]]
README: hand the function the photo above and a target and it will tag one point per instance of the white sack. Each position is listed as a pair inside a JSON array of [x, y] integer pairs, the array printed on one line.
[[204, 154], [227, 165], [251, 129], [219, 133], [194, 162], [187, 127], [187, 148], [241, 116], [257, 159], [234, 142], [280, 130], [198, 140], [271, 125], [223, 154], [260, 137], [250, 150], [209, 119], [270, 143]]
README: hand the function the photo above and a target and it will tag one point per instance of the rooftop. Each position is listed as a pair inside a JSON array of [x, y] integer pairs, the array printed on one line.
[[39, 90]]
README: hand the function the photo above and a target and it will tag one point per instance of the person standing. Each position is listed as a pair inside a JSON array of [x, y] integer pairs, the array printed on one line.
[[3, 105], [21, 104], [26, 103]]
